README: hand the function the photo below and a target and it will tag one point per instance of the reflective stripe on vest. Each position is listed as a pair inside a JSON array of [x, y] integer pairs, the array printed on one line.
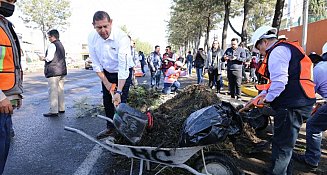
[[7, 65], [306, 74]]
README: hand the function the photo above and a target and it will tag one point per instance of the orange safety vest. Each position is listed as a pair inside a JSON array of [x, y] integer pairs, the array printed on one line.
[[10, 68], [172, 77], [306, 74]]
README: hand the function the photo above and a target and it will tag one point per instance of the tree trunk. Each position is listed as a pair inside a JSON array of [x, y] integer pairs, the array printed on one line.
[[278, 14], [206, 43], [225, 27], [244, 37], [197, 43]]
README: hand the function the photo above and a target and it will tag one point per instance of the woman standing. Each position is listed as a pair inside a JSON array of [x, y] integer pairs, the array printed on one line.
[[214, 65], [199, 64]]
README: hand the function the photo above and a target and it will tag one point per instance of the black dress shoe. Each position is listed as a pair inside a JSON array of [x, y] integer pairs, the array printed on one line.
[[105, 133], [50, 115], [61, 112]]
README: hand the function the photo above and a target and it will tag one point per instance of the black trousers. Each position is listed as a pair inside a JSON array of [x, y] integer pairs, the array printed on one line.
[[107, 98], [234, 82], [214, 79]]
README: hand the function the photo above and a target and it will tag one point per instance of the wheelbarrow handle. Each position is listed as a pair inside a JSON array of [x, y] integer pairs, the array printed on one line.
[[105, 118], [71, 129]]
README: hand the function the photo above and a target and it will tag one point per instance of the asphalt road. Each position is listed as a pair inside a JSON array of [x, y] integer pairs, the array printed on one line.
[[41, 145]]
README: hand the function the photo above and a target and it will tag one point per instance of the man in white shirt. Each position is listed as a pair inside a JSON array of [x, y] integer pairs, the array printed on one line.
[[110, 52], [55, 71]]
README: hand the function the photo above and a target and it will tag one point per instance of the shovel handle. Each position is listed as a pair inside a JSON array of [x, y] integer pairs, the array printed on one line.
[[247, 107], [253, 103], [105, 118]]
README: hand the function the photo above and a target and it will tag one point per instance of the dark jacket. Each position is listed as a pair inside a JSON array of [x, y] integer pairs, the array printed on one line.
[[240, 55], [199, 60], [56, 67]]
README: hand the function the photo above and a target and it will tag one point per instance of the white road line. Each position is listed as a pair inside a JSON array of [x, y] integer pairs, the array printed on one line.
[[90, 160]]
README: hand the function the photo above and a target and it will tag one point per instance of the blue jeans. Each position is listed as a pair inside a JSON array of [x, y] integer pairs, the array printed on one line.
[[315, 126], [287, 123], [199, 74], [189, 67], [5, 126], [167, 87], [155, 78]]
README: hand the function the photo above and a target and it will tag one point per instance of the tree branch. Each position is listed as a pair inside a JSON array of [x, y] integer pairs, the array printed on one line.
[[237, 33]]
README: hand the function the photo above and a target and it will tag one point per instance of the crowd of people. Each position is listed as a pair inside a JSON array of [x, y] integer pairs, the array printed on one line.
[[281, 69]]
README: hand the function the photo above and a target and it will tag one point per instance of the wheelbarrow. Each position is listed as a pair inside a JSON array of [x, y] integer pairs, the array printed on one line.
[[213, 163]]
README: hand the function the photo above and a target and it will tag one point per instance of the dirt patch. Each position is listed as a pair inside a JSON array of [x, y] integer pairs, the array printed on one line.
[[170, 116]]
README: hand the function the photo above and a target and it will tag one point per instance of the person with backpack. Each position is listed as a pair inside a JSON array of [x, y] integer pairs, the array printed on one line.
[[154, 66], [317, 123], [199, 61]]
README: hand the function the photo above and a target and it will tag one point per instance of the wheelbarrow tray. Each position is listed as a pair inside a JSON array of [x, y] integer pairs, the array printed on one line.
[[170, 157]]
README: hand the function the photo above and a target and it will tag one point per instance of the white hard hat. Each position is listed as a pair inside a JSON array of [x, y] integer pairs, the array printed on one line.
[[262, 32], [178, 63], [324, 48]]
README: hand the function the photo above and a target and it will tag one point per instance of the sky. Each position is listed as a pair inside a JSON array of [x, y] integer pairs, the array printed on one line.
[[144, 19]]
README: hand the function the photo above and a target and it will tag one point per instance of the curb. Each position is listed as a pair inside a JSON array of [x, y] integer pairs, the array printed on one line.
[[246, 90]]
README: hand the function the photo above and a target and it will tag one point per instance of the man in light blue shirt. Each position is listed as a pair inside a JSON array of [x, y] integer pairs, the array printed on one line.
[[110, 52], [317, 123], [290, 92]]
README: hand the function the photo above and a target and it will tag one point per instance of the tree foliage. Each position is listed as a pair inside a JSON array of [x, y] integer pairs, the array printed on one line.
[[190, 19], [45, 14], [145, 47], [317, 10], [261, 14], [193, 19]]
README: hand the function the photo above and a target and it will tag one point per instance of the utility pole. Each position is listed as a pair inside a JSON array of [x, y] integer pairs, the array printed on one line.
[[305, 23]]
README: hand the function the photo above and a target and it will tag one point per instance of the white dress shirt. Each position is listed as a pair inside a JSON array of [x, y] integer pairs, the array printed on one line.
[[278, 64], [112, 54], [51, 52]]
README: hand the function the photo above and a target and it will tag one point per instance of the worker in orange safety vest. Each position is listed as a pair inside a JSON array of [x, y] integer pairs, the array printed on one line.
[[290, 92], [172, 75]]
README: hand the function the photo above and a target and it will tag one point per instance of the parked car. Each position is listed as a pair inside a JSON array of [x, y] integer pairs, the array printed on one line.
[[88, 63]]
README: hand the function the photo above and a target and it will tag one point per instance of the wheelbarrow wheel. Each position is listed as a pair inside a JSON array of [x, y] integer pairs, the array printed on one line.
[[216, 164]]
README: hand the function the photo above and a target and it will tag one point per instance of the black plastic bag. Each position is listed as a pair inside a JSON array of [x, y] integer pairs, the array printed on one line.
[[130, 122], [206, 126]]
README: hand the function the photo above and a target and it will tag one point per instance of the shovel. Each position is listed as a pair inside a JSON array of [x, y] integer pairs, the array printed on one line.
[[252, 103], [128, 121]]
